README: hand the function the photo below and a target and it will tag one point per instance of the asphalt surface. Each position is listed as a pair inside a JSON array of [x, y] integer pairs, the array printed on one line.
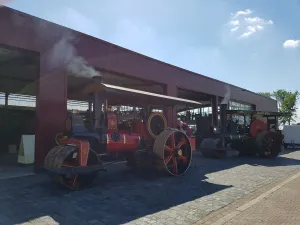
[[122, 196]]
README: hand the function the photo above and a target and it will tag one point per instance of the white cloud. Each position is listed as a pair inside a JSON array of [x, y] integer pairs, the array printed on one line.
[[247, 26], [253, 19], [251, 30], [259, 27], [257, 20], [291, 44], [242, 13], [234, 22], [234, 29], [246, 34]]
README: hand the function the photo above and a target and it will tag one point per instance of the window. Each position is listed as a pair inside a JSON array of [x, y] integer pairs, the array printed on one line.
[[239, 106]]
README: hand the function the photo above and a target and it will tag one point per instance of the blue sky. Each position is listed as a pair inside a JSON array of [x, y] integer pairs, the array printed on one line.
[[237, 41]]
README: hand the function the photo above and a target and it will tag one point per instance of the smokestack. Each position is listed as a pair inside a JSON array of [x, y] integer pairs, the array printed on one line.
[[99, 103], [98, 79], [223, 117], [224, 107]]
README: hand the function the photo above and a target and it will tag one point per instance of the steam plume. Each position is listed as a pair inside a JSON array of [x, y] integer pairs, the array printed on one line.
[[227, 95], [63, 52], [78, 67]]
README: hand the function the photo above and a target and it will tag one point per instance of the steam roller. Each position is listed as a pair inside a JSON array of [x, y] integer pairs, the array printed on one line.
[[100, 137], [258, 137]]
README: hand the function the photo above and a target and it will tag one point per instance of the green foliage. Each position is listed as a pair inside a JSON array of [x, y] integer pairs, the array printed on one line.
[[266, 94], [288, 106], [286, 101], [280, 96]]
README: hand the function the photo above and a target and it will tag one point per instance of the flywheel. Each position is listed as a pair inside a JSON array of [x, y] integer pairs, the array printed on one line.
[[64, 156], [174, 153], [156, 124]]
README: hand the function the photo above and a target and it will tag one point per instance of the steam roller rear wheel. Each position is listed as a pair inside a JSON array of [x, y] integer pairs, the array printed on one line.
[[269, 143], [173, 150], [65, 156]]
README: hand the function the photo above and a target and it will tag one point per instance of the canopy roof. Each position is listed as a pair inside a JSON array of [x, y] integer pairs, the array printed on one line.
[[117, 95]]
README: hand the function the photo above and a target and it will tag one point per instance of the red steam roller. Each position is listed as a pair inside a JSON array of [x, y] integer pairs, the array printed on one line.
[[104, 135]]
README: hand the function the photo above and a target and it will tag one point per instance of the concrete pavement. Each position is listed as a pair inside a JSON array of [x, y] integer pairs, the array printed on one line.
[[277, 205]]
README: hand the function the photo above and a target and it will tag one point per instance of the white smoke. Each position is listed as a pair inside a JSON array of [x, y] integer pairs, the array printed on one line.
[[64, 53], [61, 53], [227, 95], [78, 67]]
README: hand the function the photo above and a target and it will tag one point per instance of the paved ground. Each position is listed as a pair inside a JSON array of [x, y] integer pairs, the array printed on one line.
[[120, 196], [274, 204], [7, 172], [279, 208]]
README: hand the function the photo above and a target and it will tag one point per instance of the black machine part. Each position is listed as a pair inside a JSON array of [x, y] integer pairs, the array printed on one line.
[[223, 117]]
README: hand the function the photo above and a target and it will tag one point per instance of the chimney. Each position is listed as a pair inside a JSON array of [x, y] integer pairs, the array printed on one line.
[[98, 79]]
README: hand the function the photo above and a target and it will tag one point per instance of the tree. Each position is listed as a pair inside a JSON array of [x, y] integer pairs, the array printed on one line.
[[288, 106], [280, 96], [286, 101], [266, 94]]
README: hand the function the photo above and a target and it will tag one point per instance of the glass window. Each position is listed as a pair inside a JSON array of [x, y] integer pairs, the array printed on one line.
[[239, 106]]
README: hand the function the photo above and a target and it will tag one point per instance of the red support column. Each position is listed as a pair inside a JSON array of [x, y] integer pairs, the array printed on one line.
[[214, 107], [171, 114], [51, 109]]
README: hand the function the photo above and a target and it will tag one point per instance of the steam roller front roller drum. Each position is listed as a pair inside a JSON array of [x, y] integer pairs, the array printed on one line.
[[63, 156], [269, 144], [212, 148], [173, 151]]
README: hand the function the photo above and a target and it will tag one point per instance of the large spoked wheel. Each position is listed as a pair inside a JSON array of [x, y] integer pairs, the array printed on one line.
[[174, 152], [269, 143], [65, 156]]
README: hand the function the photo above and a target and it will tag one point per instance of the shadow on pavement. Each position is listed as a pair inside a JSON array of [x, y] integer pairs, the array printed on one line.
[[118, 196]]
